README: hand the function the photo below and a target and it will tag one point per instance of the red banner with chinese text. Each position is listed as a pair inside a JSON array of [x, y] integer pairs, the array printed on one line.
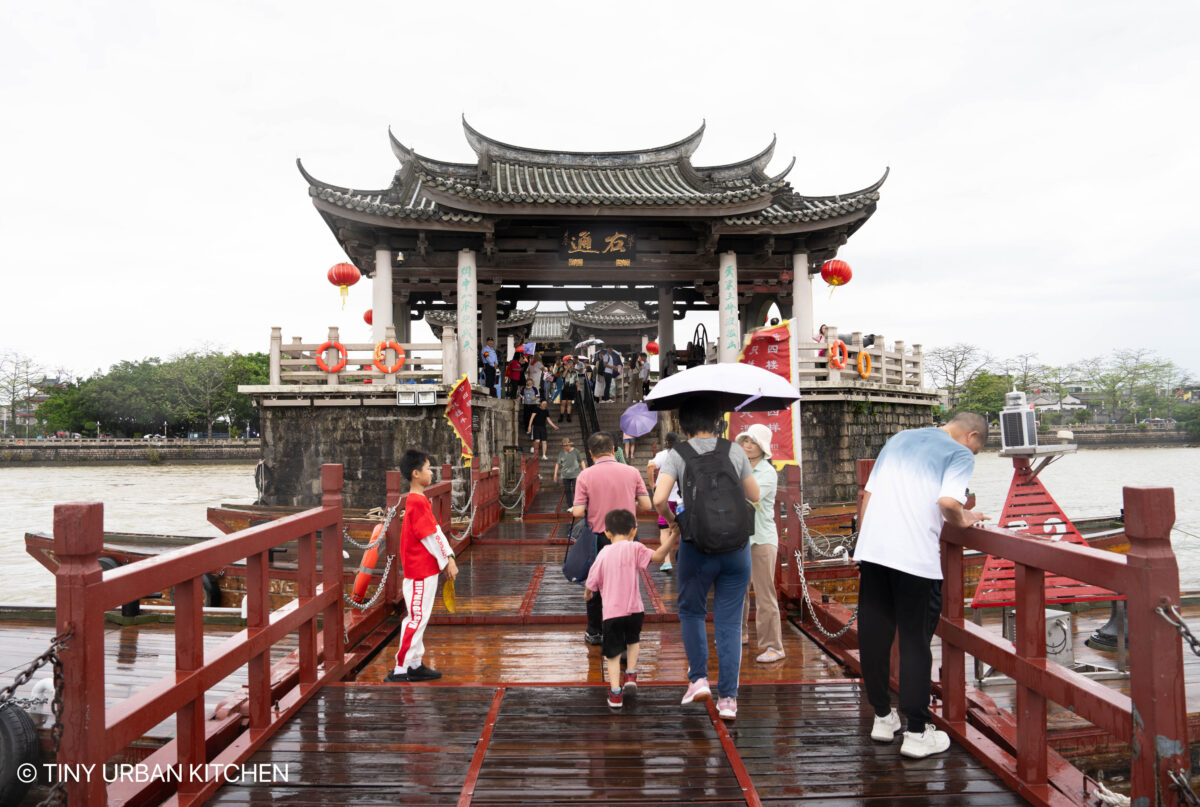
[[458, 413], [771, 349]]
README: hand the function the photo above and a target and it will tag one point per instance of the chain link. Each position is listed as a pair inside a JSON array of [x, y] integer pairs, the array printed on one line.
[[813, 611], [58, 792], [1175, 620], [388, 515], [515, 487], [840, 551], [467, 530], [1108, 798], [362, 606], [466, 507], [1181, 782]]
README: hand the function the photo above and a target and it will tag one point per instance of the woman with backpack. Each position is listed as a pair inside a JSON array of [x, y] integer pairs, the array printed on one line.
[[716, 519]]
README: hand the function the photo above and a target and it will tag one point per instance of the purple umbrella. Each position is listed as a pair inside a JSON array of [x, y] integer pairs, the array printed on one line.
[[638, 420]]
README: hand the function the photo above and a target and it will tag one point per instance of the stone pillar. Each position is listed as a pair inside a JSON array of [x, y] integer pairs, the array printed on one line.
[[450, 372], [729, 341], [488, 305], [666, 328], [468, 338], [332, 357], [402, 318], [381, 294], [276, 355], [802, 302]]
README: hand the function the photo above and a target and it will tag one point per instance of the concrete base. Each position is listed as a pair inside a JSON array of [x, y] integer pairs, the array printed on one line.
[[837, 430], [368, 434]]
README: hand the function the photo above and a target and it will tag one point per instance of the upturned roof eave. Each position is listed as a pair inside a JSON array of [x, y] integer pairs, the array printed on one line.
[[484, 225], [672, 152]]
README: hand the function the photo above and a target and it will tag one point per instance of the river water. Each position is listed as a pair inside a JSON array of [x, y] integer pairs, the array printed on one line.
[[173, 499]]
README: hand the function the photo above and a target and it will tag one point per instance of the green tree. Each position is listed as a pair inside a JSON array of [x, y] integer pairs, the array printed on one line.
[[199, 386], [952, 369], [129, 398], [67, 410], [984, 394]]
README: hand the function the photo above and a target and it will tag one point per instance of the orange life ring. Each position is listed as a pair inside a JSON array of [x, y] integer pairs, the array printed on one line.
[[864, 364], [337, 368], [370, 557], [838, 355], [400, 357]]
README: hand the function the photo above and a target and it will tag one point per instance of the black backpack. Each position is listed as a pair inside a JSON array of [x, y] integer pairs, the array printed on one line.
[[717, 517]]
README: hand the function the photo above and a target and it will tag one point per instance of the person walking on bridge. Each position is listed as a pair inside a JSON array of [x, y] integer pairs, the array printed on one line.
[[604, 486], [919, 482]]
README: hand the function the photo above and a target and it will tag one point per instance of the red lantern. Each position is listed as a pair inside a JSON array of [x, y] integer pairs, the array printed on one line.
[[836, 273], [344, 275], [652, 348], [369, 317]]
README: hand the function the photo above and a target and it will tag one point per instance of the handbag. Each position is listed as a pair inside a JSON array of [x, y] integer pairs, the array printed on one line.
[[581, 551]]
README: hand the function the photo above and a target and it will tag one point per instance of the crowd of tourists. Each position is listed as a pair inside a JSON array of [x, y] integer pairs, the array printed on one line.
[[715, 500], [532, 376]]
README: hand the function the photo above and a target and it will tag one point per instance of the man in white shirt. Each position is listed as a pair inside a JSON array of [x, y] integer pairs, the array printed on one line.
[[919, 482]]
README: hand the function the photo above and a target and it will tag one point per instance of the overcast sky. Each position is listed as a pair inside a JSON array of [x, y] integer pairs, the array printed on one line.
[[1042, 195]]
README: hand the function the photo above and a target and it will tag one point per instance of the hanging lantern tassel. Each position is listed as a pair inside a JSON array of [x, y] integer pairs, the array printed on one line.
[[835, 273], [344, 275]]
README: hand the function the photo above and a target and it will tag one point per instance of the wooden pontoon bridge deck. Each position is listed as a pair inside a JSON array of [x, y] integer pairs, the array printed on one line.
[[520, 716]]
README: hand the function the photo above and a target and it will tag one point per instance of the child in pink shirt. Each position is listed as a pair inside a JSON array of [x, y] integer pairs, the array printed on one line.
[[614, 574]]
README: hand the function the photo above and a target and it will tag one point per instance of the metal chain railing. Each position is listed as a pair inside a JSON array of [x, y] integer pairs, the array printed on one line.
[[58, 792], [467, 530], [461, 511], [362, 606], [515, 487], [388, 515], [812, 612], [1175, 620], [839, 551], [1181, 782]]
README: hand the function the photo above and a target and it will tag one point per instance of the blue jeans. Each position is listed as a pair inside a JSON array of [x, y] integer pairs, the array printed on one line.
[[727, 575]]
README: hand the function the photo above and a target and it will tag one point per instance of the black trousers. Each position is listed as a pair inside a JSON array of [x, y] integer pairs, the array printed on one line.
[[595, 608], [489, 378], [892, 602]]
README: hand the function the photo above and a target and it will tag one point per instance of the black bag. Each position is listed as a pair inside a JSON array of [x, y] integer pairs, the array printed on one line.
[[716, 516], [581, 551]]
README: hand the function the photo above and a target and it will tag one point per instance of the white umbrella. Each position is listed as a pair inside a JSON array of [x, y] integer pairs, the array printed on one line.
[[741, 387], [587, 343]]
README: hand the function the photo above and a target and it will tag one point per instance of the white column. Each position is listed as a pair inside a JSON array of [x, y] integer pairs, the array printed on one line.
[[276, 355], [450, 372], [468, 313], [381, 294], [729, 342], [802, 301]]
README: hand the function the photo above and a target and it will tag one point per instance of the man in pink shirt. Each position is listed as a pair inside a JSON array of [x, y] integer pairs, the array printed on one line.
[[605, 486]]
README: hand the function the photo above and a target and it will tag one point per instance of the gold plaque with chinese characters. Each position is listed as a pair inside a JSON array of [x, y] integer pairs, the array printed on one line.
[[597, 245]]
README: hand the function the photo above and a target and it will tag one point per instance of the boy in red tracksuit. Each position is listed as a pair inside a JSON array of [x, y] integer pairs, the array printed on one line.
[[424, 552]]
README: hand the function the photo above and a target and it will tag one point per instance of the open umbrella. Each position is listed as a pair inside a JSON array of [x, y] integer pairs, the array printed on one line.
[[638, 420], [579, 346], [737, 387]]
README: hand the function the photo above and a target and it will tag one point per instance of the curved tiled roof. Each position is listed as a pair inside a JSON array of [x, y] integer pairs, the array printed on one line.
[[798, 208], [531, 181], [394, 202], [592, 314], [518, 316]]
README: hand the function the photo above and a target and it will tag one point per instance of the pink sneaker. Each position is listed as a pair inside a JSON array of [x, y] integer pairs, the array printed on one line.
[[615, 698], [697, 691], [727, 708]]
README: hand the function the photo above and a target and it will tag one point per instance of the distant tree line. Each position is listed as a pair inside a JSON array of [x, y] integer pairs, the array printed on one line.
[[190, 392], [1131, 385]]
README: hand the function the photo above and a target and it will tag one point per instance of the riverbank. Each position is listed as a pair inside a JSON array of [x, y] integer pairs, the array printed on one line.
[[126, 452], [1117, 437]]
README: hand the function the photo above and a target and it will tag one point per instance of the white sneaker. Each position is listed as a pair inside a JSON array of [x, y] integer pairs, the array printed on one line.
[[771, 654], [931, 741], [885, 728]]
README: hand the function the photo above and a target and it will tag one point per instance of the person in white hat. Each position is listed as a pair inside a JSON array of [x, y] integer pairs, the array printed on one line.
[[764, 547]]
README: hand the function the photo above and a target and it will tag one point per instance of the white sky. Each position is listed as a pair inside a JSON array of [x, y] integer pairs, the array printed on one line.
[[1042, 195]]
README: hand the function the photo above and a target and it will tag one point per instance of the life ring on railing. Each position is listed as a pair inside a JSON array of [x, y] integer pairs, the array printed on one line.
[[400, 357], [838, 355], [363, 580], [864, 364], [341, 349]]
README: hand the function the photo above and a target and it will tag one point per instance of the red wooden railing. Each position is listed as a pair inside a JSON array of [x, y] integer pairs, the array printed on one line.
[[486, 501], [532, 481], [1152, 719], [95, 733]]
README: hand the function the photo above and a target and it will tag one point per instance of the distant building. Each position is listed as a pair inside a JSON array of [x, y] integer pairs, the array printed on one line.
[[1048, 402]]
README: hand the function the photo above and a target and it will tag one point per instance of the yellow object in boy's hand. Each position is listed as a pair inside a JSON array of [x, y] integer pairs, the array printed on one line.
[[448, 598]]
